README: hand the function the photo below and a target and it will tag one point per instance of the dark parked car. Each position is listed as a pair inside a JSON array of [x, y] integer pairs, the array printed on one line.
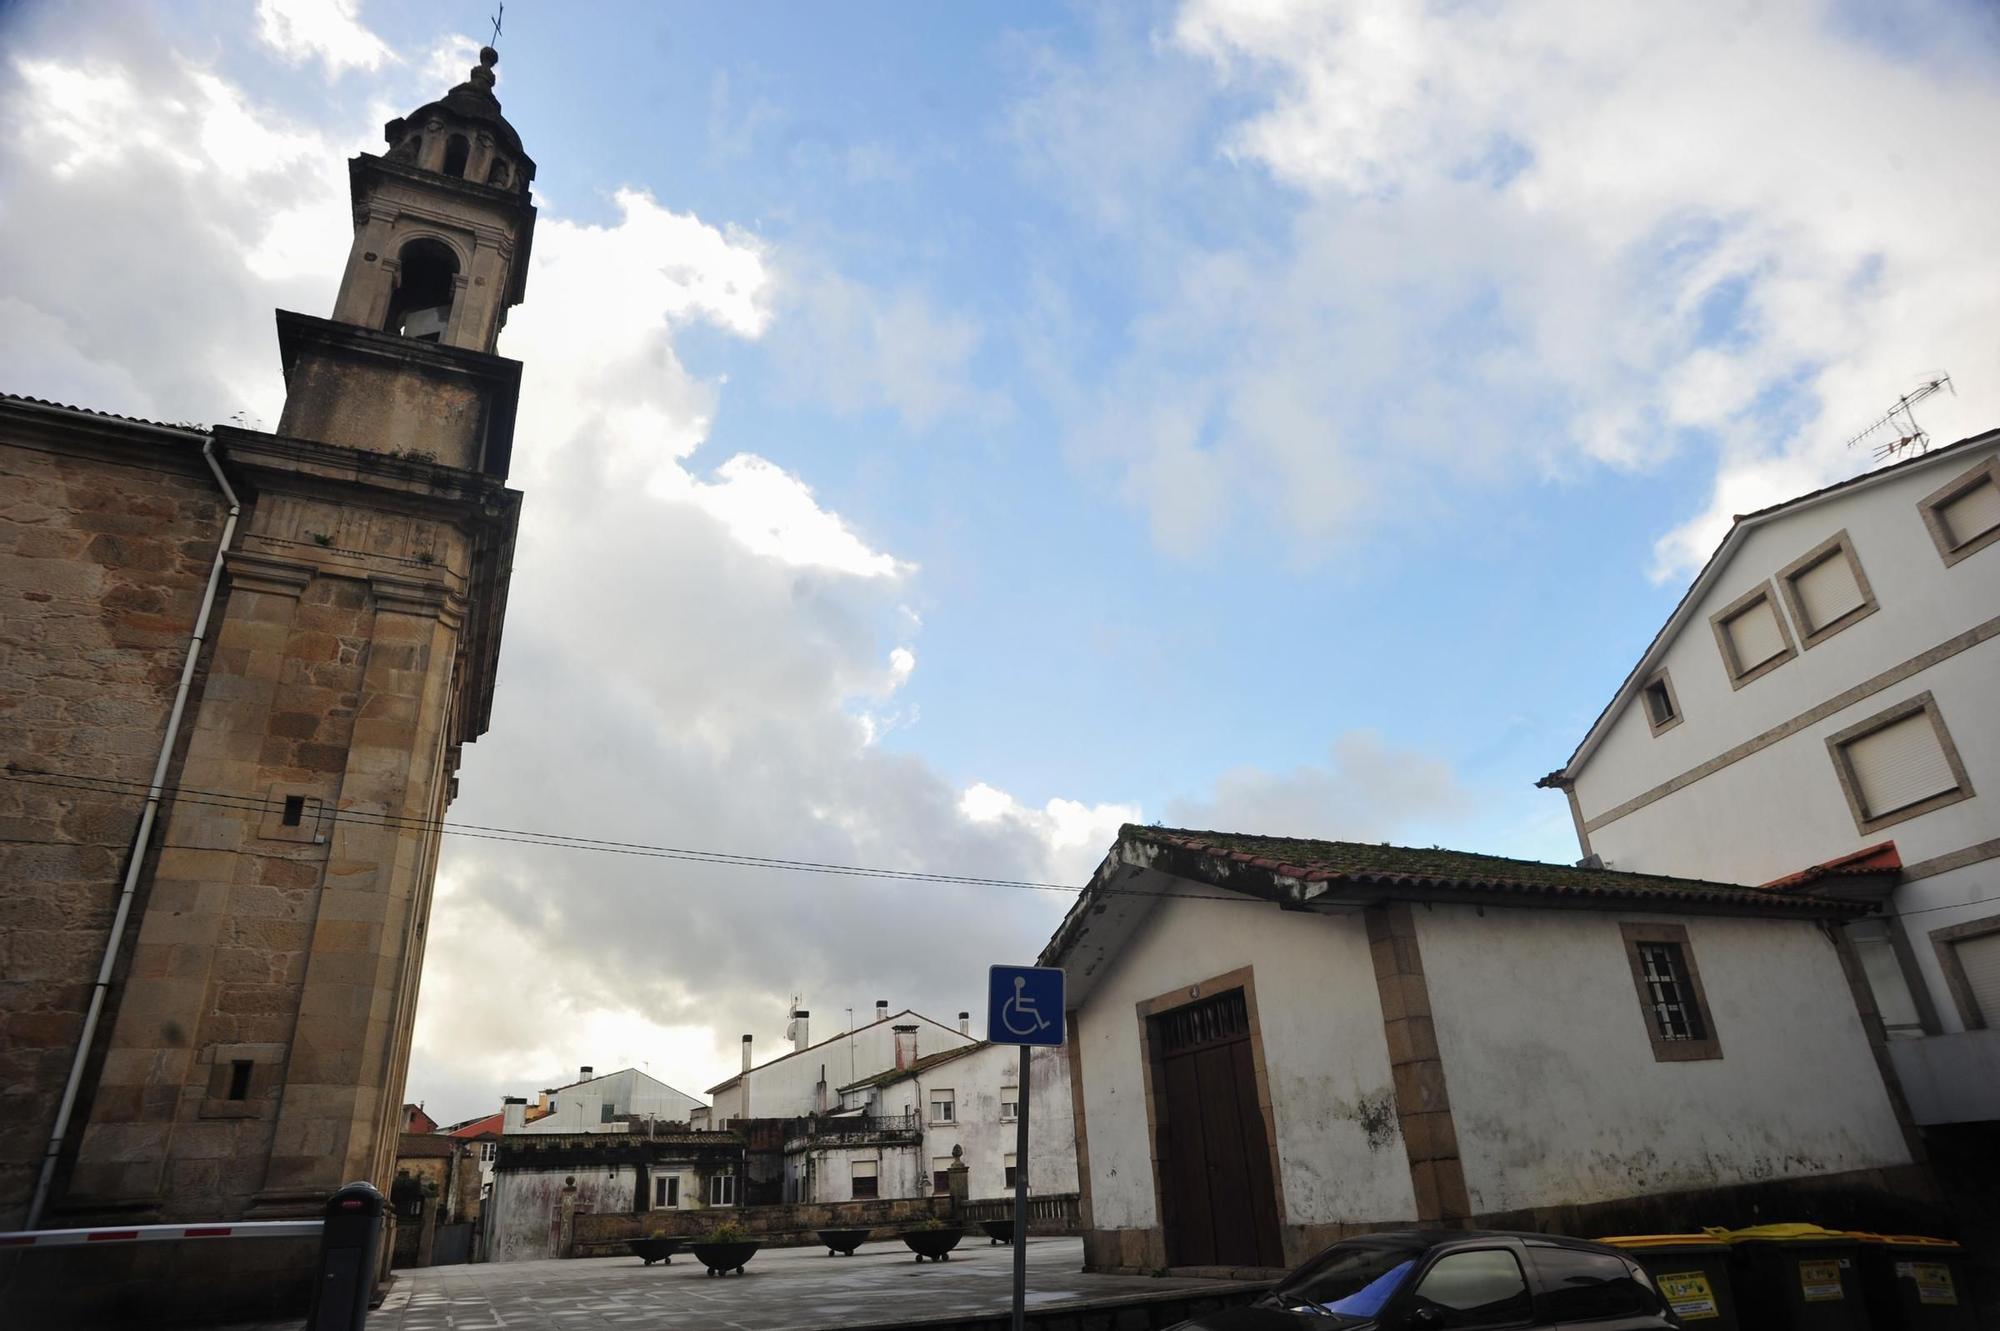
[[1456, 1280]]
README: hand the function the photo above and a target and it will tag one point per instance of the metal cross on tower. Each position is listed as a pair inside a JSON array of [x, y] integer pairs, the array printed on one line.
[[496, 25]]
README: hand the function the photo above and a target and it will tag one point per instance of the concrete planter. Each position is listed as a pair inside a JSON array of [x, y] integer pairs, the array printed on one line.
[[722, 1258], [654, 1250], [842, 1241], [935, 1244], [1000, 1231]]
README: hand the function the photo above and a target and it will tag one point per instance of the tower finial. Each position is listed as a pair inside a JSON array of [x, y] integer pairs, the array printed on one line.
[[482, 73]]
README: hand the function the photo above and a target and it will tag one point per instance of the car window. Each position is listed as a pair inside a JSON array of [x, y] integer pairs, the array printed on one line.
[[1587, 1285], [1344, 1271], [1482, 1287]]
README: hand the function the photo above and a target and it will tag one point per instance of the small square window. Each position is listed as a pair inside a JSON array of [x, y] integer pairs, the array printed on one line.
[[1898, 764], [1826, 591], [1663, 709], [1963, 514], [943, 1107], [1752, 636], [722, 1189], [1670, 995], [667, 1192], [865, 1182], [1010, 1103]]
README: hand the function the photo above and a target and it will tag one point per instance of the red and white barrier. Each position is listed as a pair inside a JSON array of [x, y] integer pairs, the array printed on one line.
[[238, 1229]]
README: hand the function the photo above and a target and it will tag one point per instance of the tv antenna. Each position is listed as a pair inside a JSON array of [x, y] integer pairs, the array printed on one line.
[[1904, 421]]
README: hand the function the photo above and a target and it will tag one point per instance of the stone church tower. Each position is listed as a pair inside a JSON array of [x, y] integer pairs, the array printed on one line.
[[260, 921]]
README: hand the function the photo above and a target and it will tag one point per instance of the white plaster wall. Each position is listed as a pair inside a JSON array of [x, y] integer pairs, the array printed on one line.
[[976, 1082], [786, 1085], [1325, 1053], [1781, 809], [1922, 602], [900, 1171], [525, 1222], [1558, 1099]]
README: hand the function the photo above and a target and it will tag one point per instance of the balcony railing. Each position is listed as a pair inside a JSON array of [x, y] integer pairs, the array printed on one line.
[[855, 1130]]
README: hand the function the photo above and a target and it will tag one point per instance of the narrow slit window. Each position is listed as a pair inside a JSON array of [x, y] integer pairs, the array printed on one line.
[[295, 810], [1674, 1016], [239, 1078]]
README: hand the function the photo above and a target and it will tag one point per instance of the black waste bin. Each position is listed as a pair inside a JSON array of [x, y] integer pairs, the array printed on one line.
[[1914, 1283], [1797, 1278], [1692, 1271], [347, 1251]]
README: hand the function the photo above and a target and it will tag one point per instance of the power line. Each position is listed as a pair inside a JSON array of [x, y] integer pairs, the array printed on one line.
[[564, 841]]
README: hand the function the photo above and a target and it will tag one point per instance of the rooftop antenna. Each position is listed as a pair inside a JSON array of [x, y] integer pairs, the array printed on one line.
[[1904, 421]]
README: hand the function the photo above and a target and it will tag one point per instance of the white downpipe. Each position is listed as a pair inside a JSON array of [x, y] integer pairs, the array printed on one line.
[[139, 844]]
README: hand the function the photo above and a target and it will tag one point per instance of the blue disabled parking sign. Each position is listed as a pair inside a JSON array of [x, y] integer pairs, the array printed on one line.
[[1024, 1005]]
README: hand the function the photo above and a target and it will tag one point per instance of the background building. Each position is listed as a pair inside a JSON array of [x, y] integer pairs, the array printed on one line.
[[1822, 711]]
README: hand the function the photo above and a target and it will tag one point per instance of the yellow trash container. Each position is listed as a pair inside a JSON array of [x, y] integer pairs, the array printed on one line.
[[1913, 1283], [1797, 1278], [1692, 1271]]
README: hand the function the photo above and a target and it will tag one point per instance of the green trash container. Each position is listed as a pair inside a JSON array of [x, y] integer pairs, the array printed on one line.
[[1913, 1283], [1797, 1278], [1692, 1271]]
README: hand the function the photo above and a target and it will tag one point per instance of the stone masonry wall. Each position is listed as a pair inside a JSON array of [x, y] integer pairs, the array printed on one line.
[[102, 565]]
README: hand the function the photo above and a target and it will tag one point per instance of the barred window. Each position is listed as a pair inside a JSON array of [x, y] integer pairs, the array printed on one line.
[[1666, 986]]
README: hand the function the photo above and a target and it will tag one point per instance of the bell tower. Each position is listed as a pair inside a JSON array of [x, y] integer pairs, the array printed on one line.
[[259, 1025], [442, 231]]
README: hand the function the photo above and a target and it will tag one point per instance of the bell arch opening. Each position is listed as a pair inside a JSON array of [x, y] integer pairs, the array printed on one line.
[[427, 283], [457, 150]]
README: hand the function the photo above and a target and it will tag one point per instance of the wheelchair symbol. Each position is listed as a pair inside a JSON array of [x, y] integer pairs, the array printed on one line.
[[1022, 1007]]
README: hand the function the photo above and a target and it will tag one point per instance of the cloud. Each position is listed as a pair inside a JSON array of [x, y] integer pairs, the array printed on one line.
[[299, 30], [1367, 790], [698, 648], [1436, 251], [860, 349]]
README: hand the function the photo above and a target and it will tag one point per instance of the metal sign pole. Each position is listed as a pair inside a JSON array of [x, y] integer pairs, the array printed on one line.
[[1021, 1199]]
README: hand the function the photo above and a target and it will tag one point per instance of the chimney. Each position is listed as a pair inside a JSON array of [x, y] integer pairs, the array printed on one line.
[[881, 1009], [906, 1047], [513, 1114], [965, 1023], [583, 1073], [746, 1053], [801, 1028]]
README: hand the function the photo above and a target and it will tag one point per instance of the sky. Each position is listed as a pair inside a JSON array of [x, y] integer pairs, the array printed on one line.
[[949, 432]]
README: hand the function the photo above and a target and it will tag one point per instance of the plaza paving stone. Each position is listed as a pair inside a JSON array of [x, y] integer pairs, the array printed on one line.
[[782, 1289]]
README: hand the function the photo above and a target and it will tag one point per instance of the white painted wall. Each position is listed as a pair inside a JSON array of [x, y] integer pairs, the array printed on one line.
[[1324, 1050], [1554, 1089], [1781, 810], [976, 1082], [525, 1216], [786, 1086], [900, 1171], [580, 1108]]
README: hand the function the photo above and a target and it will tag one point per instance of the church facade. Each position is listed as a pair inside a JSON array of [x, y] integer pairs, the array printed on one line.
[[237, 669]]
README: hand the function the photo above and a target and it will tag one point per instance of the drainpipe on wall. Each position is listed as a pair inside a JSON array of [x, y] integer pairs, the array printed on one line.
[[140, 841]]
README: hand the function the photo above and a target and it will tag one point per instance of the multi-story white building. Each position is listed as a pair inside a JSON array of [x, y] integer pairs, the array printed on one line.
[[895, 1131], [1822, 712]]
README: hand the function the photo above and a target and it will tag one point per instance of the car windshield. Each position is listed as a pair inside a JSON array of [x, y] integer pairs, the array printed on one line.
[[1347, 1281]]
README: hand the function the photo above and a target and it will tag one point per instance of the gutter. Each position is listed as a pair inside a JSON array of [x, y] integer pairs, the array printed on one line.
[[140, 842]]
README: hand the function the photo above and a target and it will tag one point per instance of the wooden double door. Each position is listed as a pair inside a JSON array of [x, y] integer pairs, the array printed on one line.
[[1216, 1188]]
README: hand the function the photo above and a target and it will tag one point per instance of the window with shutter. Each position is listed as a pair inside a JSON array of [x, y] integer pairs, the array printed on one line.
[[1898, 764], [1826, 590], [1979, 961], [1973, 513], [1963, 514], [1752, 636]]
